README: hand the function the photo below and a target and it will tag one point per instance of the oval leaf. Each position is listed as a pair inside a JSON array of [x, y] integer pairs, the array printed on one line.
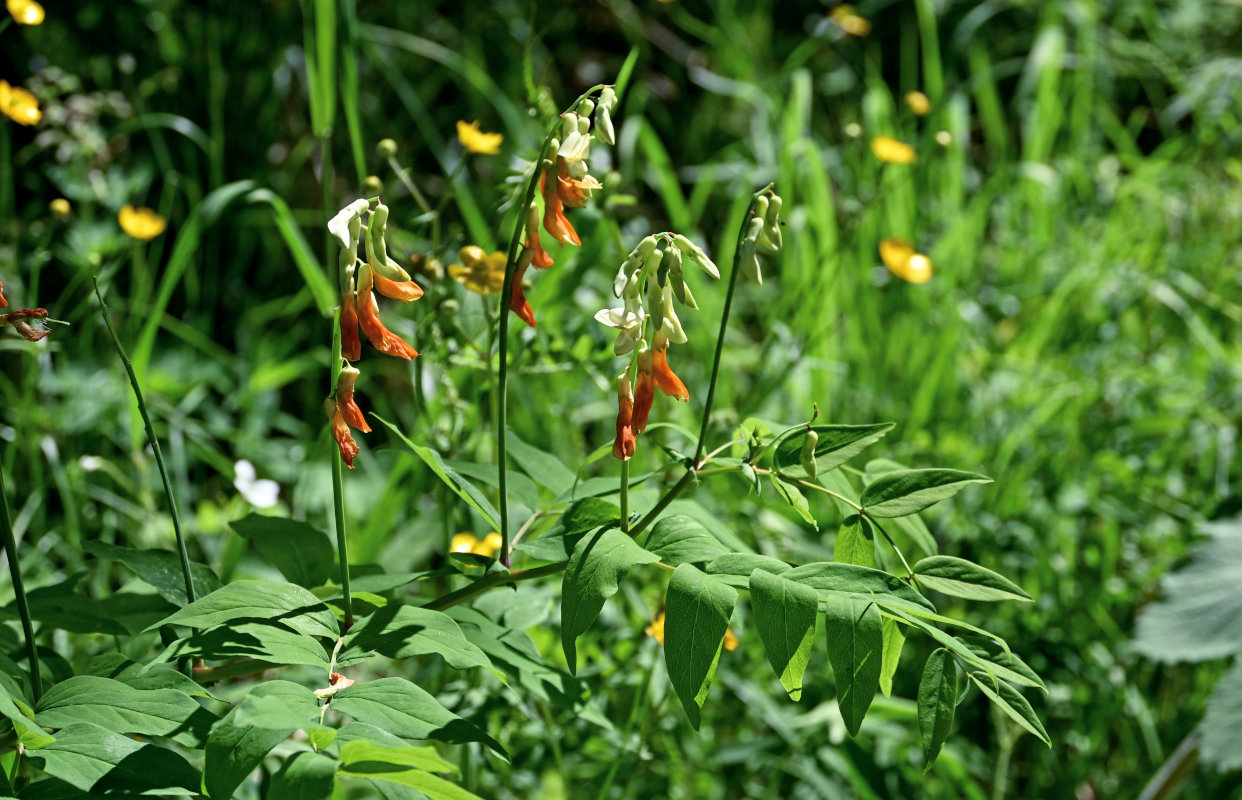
[[828, 576], [1011, 701], [682, 540], [902, 492], [697, 608], [961, 578], [399, 631], [784, 613], [284, 602], [403, 709], [937, 701], [301, 552], [855, 542], [855, 648]]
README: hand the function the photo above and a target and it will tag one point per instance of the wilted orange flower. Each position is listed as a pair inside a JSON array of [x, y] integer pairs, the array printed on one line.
[[574, 193], [554, 220], [340, 431], [918, 103], [624, 446], [477, 141], [899, 256], [351, 344], [141, 223], [380, 337], [479, 272], [26, 12], [892, 151], [539, 256], [644, 392], [19, 105], [3, 303], [517, 298], [665, 379], [20, 320], [337, 682]]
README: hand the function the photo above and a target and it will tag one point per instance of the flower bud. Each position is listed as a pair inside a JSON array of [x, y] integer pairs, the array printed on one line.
[[554, 149], [372, 184], [586, 107], [603, 126], [808, 453], [645, 248], [339, 226], [655, 294], [753, 229], [569, 125], [696, 255], [761, 206], [584, 126], [377, 249], [749, 262], [670, 326], [386, 148]]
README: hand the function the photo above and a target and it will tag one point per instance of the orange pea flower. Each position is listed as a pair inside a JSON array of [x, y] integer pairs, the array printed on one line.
[[340, 431], [573, 193], [351, 344], [345, 400], [405, 291], [540, 259], [625, 444], [644, 393], [665, 379], [380, 337], [20, 321], [554, 220], [517, 298]]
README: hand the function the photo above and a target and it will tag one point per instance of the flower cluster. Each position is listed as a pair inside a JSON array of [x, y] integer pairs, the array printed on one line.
[[564, 181], [359, 281], [648, 282], [763, 234]]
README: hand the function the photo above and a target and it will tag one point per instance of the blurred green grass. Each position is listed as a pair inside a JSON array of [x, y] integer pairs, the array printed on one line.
[[1079, 340]]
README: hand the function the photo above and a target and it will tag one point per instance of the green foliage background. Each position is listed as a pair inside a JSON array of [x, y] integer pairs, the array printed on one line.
[[1079, 341]]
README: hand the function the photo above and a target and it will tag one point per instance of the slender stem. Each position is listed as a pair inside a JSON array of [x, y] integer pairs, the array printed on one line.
[[491, 582], [809, 485], [342, 542], [23, 610], [662, 503], [155, 443], [409, 184], [724, 323], [893, 545], [625, 496], [502, 376]]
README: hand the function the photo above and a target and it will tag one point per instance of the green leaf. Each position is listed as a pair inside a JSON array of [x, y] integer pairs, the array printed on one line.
[[100, 761], [288, 709], [546, 469], [304, 776], [521, 489], [1011, 701], [433, 786], [463, 488], [1200, 615], [792, 495], [829, 576], [836, 445], [697, 608], [405, 710], [856, 650], [583, 515], [682, 540], [265, 641], [785, 613], [855, 542], [399, 631], [124, 709], [159, 568], [911, 525], [894, 641], [359, 751], [1222, 722], [1003, 664], [896, 494], [289, 604], [301, 552], [233, 749], [735, 568], [937, 702], [961, 578], [598, 562], [143, 676]]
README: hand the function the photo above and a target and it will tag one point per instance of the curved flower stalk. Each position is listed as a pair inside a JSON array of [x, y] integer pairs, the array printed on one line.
[[648, 283]]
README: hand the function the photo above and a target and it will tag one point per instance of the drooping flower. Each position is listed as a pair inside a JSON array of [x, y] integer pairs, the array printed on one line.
[[340, 431], [892, 151], [26, 12], [517, 298], [477, 141], [554, 220], [380, 337], [405, 291], [337, 682], [351, 343], [918, 103], [19, 105], [574, 192], [141, 223], [479, 272], [20, 320], [345, 403], [624, 446], [901, 259], [539, 256], [644, 392], [665, 379]]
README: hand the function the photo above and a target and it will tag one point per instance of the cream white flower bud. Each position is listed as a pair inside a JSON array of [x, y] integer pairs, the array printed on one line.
[[655, 294], [696, 255], [670, 325], [569, 125], [607, 98], [603, 126], [377, 249], [586, 107], [584, 126], [339, 226]]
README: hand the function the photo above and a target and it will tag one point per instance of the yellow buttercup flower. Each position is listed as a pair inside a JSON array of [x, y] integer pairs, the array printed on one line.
[[60, 207], [477, 141], [892, 151], [19, 105], [141, 223], [850, 22], [26, 12], [479, 272], [467, 543], [656, 631], [899, 256], [918, 103]]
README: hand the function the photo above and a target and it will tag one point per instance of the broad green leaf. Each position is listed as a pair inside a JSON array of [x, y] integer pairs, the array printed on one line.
[[284, 602], [892, 602], [583, 515], [682, 540], [159, 568], [937, 702], [856, 650], [521, 489], [234, 750], [301, 552], [1222, 722], [894, 641], [855, 542], [904, 614], [697, 608], [912, 525], [829, 576], [546, 469], [1003, 664], [289, 708], [405, 710], [1199, 617], [792, 495], [785, 614], [62, 606], [304, 776], [124, 709], [1011, 701], [399, 631], [598, 562], [265, 641], [359, 751], [460, 486], [735, 568], [431, 786], [836, 445], [961, 578], [102, 762], [896, 494]]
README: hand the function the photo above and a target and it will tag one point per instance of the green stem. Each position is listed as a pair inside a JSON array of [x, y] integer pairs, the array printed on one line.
[[625, 496], [663, 503], [891, 544], [491, 582], [342, 543], [724, 323], [155, 443], [502, 376], [23, 610]]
